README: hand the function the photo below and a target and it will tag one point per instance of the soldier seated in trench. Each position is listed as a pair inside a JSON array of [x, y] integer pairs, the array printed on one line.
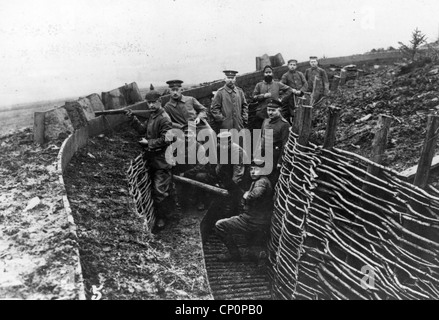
[[191, 162], [255, 221]]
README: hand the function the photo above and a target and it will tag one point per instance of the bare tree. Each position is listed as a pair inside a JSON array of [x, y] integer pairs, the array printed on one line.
[[410, 51]]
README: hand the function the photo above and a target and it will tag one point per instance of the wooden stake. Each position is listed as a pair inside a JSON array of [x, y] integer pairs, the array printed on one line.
[[427, 153], [331, 127], [378, 147], [39, 127], [305, 128], [379, 142]]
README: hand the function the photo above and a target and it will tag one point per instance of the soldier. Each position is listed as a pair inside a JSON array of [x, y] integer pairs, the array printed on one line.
[[191, 162], [229, 107], [268, 89], [155, 144], [296, 80], [318, 83], [230, 168], [254, 221], [281, 131], [183, 109]]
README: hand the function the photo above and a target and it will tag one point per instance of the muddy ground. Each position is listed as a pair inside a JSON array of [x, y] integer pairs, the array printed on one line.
[[115, 252], [37, 248]]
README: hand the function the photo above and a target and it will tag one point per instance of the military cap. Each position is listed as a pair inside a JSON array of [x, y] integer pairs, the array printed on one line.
[[312, 57], [292, 60], [230, 73], [152, 95], [267, 67], [174, 83], [256, 162], [274, 103]]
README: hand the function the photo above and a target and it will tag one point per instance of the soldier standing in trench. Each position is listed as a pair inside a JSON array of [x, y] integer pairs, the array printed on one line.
[[280, 132], [229, 106], [296, 80], [182, 109], [155, 145], [318, 83], [265, 90]]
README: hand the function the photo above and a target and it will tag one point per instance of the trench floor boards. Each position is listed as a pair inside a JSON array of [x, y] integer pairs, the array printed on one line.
[[244, 280]]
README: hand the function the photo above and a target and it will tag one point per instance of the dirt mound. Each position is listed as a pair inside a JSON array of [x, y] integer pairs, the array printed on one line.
[[407, 97]]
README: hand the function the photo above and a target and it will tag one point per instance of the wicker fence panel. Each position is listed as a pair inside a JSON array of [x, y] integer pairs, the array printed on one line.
[[341, 233]]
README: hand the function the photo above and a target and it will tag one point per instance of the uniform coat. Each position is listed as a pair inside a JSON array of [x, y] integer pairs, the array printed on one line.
[[230, 108]]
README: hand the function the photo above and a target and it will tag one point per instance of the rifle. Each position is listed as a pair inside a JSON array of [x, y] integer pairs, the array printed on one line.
[[140, 113]]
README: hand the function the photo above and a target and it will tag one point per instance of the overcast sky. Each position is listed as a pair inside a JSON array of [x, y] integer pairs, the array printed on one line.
[[52, 49]]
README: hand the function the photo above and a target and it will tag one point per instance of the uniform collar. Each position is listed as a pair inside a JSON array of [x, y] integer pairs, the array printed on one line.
[[230, 90], [174, 103], [157, 113], [275, 119]]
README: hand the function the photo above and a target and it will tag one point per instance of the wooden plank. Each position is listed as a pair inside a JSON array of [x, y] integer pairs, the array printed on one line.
[[410, 173]]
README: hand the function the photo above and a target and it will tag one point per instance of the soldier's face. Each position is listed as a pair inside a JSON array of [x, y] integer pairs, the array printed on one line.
[[273, 112], [313, 63], [292, 66], [230, 81], [255, 172], [154, 105], [268, 72], [176, 93]]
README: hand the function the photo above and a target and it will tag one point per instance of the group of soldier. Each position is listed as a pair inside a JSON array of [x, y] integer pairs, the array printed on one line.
[[250, 188]]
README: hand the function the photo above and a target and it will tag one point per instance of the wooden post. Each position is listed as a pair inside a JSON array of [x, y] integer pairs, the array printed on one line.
[[427, 153], [335, 83], [305, 127], [343, 76], [379, 142], [297, 121], [331, 127], [378, 147], [39, 127]]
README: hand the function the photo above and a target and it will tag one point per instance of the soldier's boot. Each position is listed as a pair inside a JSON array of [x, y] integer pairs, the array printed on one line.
[[160, 222], [232, 255]]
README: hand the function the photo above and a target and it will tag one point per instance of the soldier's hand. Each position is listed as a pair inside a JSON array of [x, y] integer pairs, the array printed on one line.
[[267, 95], [143, 141], [245, 196], [129, 114]]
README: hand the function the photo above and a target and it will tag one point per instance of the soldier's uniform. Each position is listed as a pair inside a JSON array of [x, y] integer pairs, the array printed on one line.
[[278, 91], [186, 109], [318, 83], [296, 80], [255, 220], [192, 163], [232, 176], [281, 131], [155, 129], [229, 107]]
